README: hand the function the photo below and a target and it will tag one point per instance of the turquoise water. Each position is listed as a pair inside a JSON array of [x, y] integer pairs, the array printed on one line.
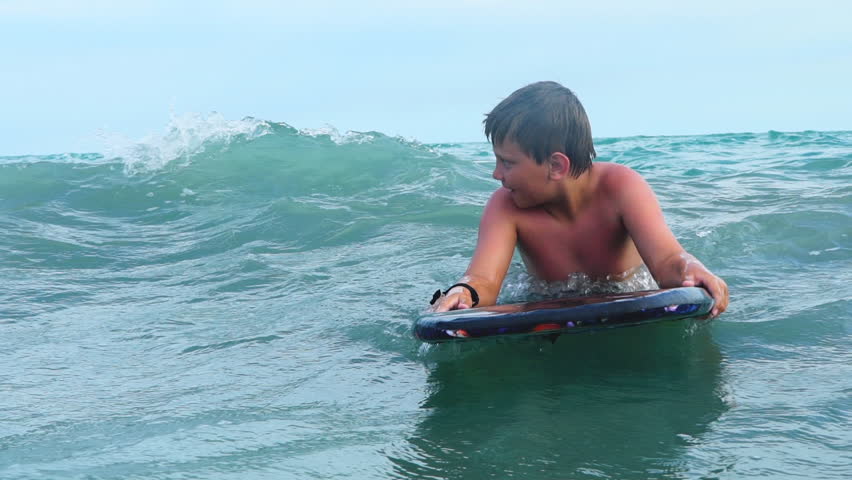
[[234, 300]]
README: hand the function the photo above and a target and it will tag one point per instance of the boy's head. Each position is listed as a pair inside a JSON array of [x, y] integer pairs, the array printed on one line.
[[543, 118]]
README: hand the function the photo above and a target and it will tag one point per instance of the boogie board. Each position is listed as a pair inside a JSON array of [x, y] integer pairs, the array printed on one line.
[[568, 315]]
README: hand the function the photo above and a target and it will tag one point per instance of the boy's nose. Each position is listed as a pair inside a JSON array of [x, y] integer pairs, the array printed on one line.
[[497, 175]]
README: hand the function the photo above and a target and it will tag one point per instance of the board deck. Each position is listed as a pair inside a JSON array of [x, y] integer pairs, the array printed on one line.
[[567, 315]]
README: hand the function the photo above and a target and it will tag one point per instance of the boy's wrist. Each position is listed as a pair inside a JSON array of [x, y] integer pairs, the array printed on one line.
[[466, 290], [459, 288], [461, 291]]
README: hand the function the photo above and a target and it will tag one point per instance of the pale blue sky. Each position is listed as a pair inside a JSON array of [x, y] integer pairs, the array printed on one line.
[[423, 70]]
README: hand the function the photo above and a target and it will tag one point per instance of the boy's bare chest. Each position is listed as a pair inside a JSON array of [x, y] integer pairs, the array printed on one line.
[[595, 243]]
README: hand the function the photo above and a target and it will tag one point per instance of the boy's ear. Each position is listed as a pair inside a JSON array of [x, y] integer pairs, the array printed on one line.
[[560, 165]]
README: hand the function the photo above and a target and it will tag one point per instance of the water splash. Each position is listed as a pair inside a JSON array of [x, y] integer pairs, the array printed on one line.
[[524, 287], [185, 136]]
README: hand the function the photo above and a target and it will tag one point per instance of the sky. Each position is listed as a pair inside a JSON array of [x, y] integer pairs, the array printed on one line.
[[424, 70]]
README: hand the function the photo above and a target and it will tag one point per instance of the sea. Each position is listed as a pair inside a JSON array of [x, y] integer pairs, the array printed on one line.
[[234, 299]]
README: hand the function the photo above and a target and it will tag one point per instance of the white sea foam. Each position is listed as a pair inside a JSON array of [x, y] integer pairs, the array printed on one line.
[[22, 161], [185, 136], [350, 137], [336, 136], [819, 252]]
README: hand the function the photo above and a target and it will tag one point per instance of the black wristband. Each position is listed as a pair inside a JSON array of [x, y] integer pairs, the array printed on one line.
[[473, 295]]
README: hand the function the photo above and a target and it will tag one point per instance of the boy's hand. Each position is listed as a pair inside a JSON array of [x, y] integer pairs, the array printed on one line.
[[454, 300], [696, 275]]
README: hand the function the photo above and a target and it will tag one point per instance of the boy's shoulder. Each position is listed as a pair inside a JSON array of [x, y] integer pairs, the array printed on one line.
[[501, 201], [616, 174], [616, 181]]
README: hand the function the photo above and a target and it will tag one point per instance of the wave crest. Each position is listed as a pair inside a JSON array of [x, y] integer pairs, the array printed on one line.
[[186, 136]]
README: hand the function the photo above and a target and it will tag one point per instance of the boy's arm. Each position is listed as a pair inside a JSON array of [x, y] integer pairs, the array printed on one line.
[[668, 262], [490, 262]]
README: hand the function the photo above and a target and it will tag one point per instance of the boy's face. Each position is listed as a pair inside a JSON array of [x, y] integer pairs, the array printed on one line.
[[520, 174]]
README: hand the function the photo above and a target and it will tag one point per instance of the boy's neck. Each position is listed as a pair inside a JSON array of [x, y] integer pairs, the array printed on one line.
[[573, 196]]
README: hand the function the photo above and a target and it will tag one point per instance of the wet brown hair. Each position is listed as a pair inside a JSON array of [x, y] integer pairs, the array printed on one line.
[[543, 118]]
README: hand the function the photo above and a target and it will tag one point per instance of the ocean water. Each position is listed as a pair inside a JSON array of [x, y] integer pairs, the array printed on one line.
[[234, 300]]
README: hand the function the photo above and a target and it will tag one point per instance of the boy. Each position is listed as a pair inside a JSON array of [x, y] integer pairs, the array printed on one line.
[[565, 214]]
